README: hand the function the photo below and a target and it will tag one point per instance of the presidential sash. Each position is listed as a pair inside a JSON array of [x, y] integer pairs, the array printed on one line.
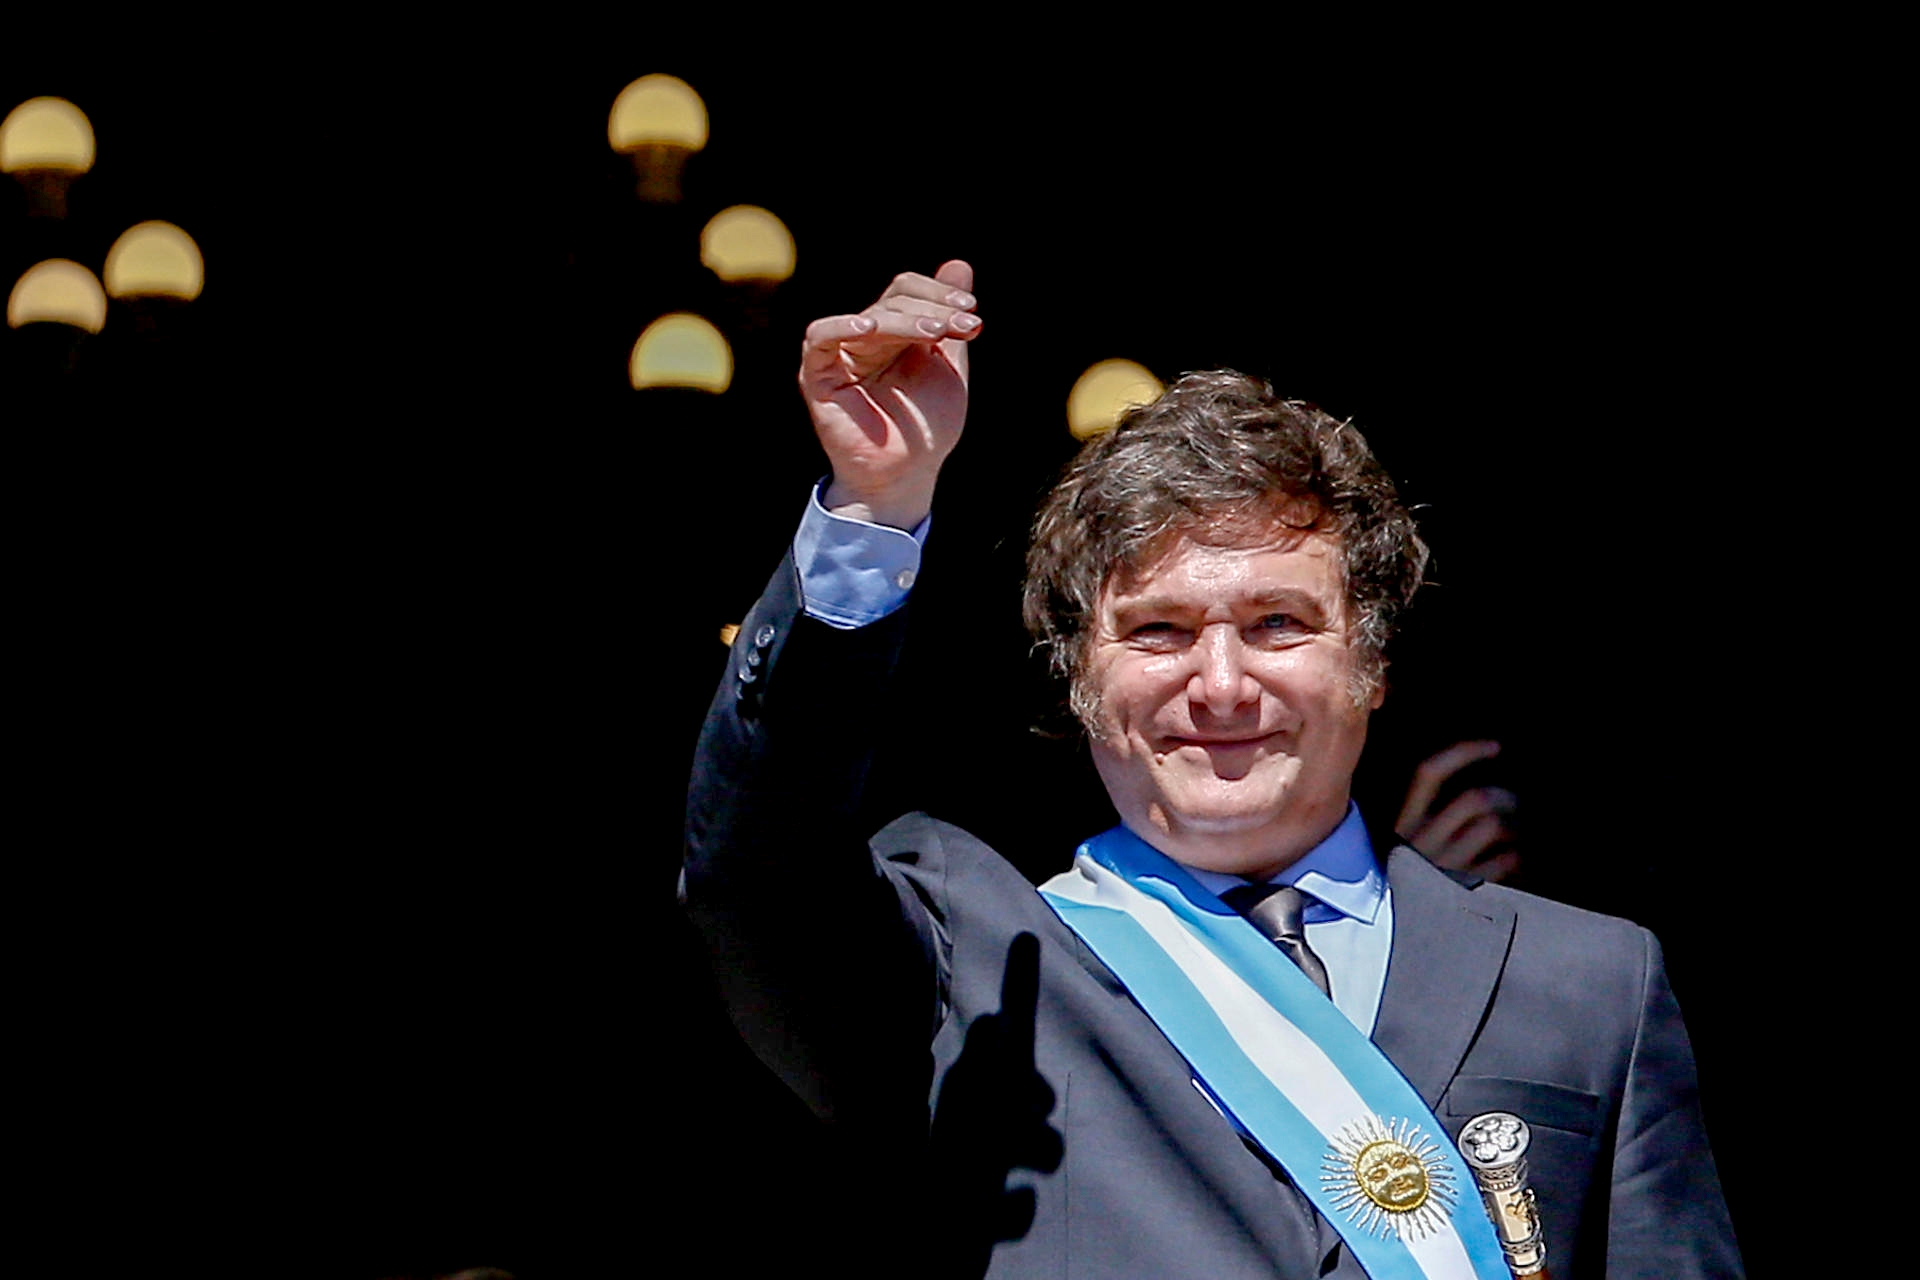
[[1282, 1061]]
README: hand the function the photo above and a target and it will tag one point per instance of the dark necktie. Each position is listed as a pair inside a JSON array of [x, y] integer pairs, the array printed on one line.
[[1276, 911]]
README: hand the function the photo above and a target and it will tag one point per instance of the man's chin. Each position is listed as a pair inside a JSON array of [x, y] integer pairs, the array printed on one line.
[[1231, 813], [1219, 825], [1221, 819]]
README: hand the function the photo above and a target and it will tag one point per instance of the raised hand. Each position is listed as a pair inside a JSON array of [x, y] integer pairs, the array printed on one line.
[[1473, 832], [887, 391]]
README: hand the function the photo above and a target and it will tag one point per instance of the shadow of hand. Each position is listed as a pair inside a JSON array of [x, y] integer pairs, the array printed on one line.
[[991, 1119]]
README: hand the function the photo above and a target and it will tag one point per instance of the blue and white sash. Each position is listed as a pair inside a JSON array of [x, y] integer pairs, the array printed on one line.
[[1283, 1062]]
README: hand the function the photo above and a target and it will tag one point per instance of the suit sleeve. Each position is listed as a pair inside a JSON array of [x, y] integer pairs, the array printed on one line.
[[826, 958], [1668, 1219]]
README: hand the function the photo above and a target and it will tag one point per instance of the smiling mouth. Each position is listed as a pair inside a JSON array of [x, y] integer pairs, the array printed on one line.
[[1176, 742]]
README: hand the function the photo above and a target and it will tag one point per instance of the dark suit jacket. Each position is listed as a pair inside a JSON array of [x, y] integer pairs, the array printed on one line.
[[1066, 1136]]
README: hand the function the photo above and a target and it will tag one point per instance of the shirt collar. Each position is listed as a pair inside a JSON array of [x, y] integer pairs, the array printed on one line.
[[1340, 872]]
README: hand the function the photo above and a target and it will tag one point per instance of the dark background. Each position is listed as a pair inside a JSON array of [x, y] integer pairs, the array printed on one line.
[[365, 617]]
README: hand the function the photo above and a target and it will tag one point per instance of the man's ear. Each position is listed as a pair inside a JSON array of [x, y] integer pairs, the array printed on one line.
[[1378, 694]]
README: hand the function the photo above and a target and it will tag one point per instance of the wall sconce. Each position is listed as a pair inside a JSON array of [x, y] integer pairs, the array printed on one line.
[[155, 260], [46, 143], [659, 121], [681, 350], [58, 291], [746, 243], [1104, 392]]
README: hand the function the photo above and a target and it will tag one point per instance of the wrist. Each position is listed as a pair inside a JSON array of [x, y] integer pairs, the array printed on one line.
[[902, 508]]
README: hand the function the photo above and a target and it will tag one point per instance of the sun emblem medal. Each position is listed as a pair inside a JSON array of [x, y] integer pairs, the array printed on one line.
[[1388, 1177]]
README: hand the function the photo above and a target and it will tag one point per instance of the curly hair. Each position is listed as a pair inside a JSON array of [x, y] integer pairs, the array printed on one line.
[[1216, 449]]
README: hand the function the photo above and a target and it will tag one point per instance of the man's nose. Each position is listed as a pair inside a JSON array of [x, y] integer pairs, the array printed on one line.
[[1221, 681]]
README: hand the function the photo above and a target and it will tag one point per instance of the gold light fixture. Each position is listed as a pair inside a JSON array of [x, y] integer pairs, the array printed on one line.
[[681, 350], [46, 143], [659, 121], [58, 291], [1104, 392], [155, 259], [746, 243]]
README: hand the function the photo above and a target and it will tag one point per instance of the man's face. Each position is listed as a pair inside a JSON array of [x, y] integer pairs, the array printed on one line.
[[1227, 730]]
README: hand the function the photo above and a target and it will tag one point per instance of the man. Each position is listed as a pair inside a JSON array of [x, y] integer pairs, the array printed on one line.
[[1127, 1078]]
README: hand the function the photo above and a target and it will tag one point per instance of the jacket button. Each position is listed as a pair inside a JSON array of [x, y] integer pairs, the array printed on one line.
[[764, 636]]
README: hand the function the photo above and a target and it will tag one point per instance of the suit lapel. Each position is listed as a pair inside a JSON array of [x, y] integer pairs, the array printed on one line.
[[1449, 947]]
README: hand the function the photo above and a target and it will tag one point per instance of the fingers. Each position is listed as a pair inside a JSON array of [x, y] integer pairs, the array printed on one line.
[[894, 327], [1470, 828], [956, 273], [831, 331], [820, 349], [884, 332], [915, 310], [1482, 806], [1467, 843], [1465, 834], [1433, 774], [951, 321], [911, 284], [939, 308], [1499, 867]]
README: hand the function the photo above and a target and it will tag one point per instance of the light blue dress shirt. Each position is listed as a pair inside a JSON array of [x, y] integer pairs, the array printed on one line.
[[1349, 915], [853, 573]]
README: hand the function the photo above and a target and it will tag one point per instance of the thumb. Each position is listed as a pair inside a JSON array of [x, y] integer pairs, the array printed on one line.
[[956, 273]]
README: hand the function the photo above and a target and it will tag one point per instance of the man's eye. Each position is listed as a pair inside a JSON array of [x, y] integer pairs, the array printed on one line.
[[1277, 625], [1157, 633]]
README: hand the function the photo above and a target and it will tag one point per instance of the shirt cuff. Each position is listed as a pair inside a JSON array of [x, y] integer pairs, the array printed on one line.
[[851, 572]]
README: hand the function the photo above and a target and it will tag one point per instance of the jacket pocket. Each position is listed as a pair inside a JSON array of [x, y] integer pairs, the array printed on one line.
[[1564, 1159], [1554, 1105]]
